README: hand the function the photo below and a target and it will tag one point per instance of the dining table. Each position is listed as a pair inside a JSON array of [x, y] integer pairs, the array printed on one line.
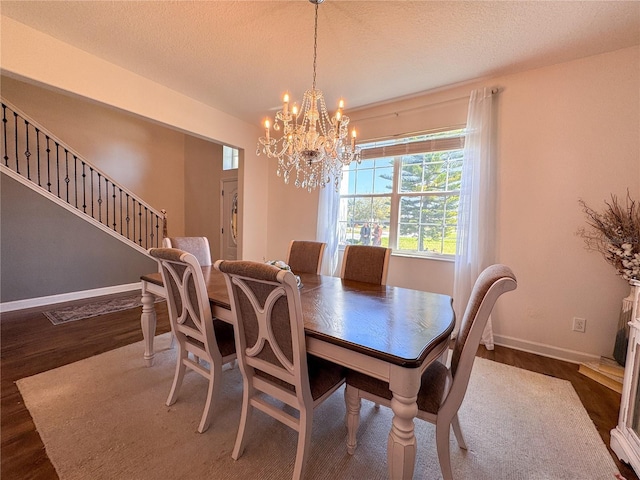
[[387, 332]]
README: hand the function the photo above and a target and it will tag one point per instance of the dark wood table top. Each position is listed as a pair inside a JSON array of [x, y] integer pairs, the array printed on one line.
[[397, 325]]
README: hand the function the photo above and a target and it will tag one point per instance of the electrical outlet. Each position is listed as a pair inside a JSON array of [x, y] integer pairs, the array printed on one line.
[[579, 324]]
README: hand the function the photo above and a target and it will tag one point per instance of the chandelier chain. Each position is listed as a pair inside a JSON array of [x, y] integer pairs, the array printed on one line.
[[315, 46]]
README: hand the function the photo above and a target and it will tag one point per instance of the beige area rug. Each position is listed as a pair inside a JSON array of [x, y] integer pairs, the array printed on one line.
[[105, 418]]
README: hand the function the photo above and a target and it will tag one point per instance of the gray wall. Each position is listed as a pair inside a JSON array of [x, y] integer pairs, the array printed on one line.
[[46, 250]]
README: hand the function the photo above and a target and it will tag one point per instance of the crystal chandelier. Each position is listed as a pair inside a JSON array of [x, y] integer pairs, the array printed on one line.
[[313, 146]]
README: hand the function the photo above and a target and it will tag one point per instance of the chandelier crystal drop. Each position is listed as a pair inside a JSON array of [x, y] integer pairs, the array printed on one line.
[[313, 146]]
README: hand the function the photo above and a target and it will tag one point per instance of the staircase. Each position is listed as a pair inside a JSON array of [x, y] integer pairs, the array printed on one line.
[[37, 159]]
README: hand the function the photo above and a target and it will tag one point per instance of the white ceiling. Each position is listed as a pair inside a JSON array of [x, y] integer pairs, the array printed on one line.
[[241, 56]]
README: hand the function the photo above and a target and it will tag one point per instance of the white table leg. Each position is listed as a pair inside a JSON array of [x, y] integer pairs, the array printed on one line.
[[353, 403], [401, 446], [148, 323]]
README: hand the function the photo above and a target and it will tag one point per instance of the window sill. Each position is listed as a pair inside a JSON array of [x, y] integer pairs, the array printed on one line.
[[437, 258]]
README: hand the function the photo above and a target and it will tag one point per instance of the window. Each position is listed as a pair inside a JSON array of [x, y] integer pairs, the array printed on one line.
[[229, 158], [404, 194]]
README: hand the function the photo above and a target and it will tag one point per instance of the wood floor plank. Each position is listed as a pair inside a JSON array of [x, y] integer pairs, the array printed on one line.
[[31, 344]]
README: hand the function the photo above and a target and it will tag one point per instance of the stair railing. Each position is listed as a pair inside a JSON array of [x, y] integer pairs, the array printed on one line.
[[36, 158]]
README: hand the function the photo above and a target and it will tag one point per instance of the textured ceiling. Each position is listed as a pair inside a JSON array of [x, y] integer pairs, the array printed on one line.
[[241, 56]]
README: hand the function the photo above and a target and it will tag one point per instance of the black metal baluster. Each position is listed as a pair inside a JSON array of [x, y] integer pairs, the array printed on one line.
[[58, 168], [4, 129], [155, 235], [27, 152], [114, 207], [75, 181], [15, 126], [106, 200], [66, 166], [84, 188], [146, 227], [99, 197], [120, 210], [128, 217], [91, 177], [38, 154], [48, 164], [133, 219], [154, 242], [140, 224]]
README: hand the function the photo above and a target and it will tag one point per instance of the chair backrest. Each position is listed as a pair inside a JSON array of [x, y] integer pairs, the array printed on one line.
[[270, 340], [196, 246], [187, 298], [364, 263], [490, 284], [305, 256]]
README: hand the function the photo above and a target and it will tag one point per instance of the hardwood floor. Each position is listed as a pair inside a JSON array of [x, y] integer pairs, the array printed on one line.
[[30, 344]]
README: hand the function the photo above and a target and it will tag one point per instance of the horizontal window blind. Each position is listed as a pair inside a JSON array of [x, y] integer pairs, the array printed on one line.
[[411, 148]]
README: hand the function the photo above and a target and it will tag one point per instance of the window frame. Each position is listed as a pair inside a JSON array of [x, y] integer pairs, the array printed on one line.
[[230, 158], [395, 196]]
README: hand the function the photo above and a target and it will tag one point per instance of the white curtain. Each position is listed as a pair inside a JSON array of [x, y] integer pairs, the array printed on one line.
[[327, 231], [476, 211]]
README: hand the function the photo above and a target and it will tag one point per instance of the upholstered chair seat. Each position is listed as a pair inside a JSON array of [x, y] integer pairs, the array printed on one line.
[[434, 380], [323, 374]]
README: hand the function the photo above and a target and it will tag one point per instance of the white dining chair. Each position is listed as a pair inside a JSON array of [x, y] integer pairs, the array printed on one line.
[[204, 344], [270, 341], [442, 389]]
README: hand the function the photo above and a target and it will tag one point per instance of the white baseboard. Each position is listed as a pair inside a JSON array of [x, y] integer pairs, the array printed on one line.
[[545, 350], [66, 297]]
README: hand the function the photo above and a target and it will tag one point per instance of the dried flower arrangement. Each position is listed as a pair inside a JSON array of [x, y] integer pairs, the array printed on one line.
[[615, 233]]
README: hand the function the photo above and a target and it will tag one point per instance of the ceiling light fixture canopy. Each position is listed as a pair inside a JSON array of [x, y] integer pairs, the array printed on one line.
[[313, 146]]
